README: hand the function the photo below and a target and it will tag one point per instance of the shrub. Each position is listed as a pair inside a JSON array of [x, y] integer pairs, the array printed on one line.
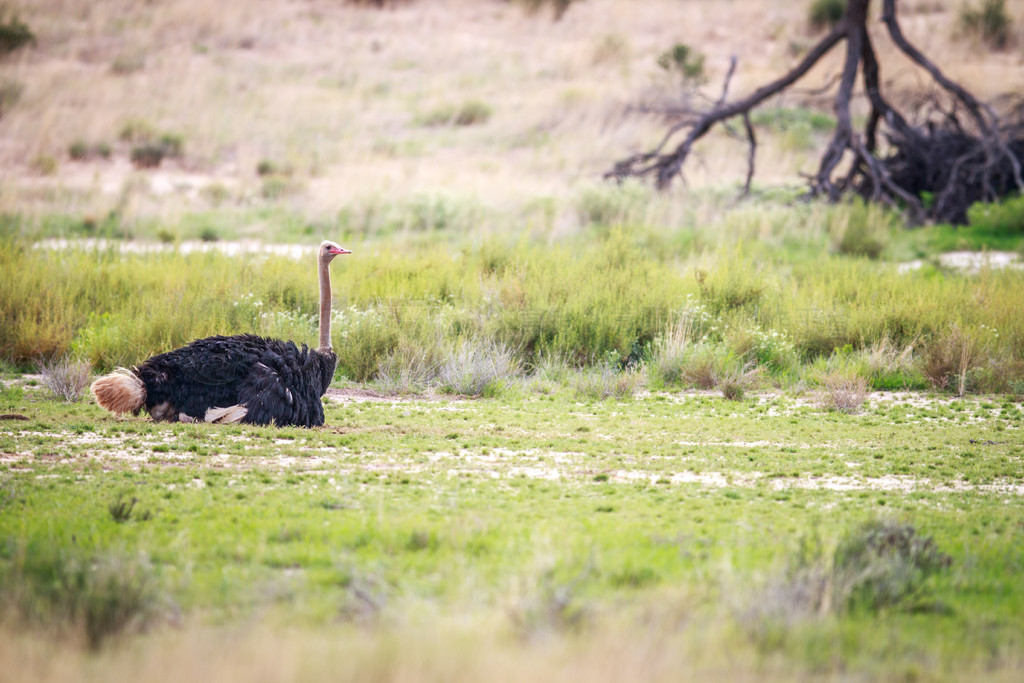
[[407, 370], [384, 337], [469, 113], [266, 167], [732, 285], [136, 130], [558, 7], [844, 392], [10, 94], [734, 382], [126, 64], [861, 229], [892, 367], [173, 145], [44, 164], [147, 155], [879, 565], [672, 350], [990, 22], [1005, 218], [477, 368], [825, 13], [14, 33], [948, 357], [150, 148], [278, 186], [884, 564], [683, 62], [606, 381], [209, 234], [608, 205], [64, 378], [122, 508], [472, 113], [78, 150], [98, 596]]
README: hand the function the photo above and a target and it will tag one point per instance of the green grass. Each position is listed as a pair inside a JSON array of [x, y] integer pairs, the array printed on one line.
[[610, 294], [532, 514]]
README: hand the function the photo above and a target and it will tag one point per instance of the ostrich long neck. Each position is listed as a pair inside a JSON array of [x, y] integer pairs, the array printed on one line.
[[325, 305]]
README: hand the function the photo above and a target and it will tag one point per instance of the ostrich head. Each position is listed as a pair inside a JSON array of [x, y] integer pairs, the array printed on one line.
[[328, 250]]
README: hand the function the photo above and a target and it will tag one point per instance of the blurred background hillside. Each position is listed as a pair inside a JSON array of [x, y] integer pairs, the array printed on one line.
[[325, 108]]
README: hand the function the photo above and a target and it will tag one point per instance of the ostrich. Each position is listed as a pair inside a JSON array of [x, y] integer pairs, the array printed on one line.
[[244, 378]]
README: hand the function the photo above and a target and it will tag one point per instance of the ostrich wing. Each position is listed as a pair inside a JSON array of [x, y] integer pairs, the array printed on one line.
[[281, 389]]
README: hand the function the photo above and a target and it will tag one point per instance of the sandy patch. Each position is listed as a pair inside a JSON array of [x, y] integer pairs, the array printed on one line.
[[969, 261], [227, 247]]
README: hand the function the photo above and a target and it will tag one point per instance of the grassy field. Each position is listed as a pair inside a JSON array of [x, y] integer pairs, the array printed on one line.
[[578, 431], [527, 532]]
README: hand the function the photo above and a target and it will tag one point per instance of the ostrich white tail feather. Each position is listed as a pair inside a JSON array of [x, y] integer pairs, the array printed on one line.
[[229, 415], [122, 391]]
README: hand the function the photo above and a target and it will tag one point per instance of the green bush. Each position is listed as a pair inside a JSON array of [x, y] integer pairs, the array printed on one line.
[[1004, 218], [99, 596], [606, 205], [14, 33], [78, 150], [370, 338], [825, 13], [605, 381], [10, 94], [683, 62], [990, 22], [860, 228], [880, 565], [558, 7], [884, 564], [472, 113], [275, 187], [784, 118], [477, 368], [610, 299], [147, 155]]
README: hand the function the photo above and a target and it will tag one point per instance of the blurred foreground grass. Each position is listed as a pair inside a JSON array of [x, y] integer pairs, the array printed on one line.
[[540, 533]]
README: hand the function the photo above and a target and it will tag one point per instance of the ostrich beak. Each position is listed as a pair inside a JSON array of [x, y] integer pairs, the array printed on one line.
[[339, 250]]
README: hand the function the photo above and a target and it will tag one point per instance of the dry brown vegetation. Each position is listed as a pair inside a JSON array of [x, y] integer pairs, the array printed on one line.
[[340, 94]]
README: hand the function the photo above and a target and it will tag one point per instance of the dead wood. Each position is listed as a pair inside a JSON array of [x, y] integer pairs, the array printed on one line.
[[930, 167]]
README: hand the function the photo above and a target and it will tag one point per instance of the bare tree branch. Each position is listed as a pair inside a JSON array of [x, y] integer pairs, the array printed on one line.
[[942, 160]]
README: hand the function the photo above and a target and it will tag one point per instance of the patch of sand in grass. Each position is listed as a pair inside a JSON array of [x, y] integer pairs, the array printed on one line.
[[227, 247], [970, 262]]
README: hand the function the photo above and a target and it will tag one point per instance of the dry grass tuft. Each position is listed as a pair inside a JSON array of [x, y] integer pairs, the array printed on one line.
[[734, 382], [407, 370], [64, 378], [608, 382], [948, 357], [844, 392], [478, 368]]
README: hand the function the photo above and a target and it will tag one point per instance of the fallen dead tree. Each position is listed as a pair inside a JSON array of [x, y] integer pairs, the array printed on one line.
[[932, 169]]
